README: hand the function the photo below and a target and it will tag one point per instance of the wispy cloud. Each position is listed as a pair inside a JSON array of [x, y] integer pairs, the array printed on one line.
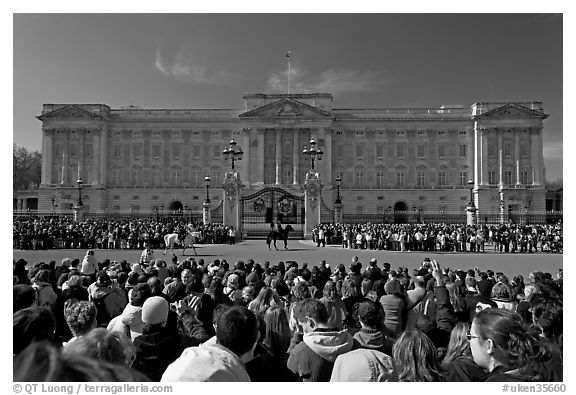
[[184, 69], [331, 80], [553, 150]]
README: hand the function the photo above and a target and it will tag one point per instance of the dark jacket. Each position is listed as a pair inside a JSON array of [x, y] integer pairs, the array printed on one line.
[[157, 348], [502, 374], [265, 368], [474, 301], [464, 369]]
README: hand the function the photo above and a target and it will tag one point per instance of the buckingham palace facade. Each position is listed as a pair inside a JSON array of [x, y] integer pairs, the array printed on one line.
[[136, 160]]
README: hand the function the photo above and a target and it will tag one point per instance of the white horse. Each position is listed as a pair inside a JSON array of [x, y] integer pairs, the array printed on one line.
[[174, 238]]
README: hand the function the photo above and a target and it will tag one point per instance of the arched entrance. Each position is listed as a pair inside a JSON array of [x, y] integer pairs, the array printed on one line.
[[400, 213], [175, 206]]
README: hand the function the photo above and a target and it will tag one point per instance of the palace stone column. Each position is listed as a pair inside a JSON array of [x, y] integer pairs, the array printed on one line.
[[484, 149], [517, 154], [65, 158], [278, 156], [103, 155], [535, 156], [295, 155], [47, 149], [260, 158], [246, 156]]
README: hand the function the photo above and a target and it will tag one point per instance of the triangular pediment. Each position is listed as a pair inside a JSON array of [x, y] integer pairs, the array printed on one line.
[[69, 112], [286, 108], [512, 111]]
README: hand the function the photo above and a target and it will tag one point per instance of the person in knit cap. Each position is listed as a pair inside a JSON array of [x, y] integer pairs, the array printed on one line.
[[89, 265], [158, 346], [232, 287]]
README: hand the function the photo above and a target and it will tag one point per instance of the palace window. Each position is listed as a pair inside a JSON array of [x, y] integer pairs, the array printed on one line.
[[420, 149], [420, 178], [400, 178], [463, 177], [89, 150], [137, 150], [492, 150], [117, 151], [508, 177], [492, 177], [116, 175], [156, 151], [359, 151], [524, 177], [197, 178], [136, 176], [380, 176], [73, 150], [176, 150], [524, 150], [156, 176], [340, 151], [359, 177], [379, 151], [462, 150], [400, 150], [216, 151], [196, 151], [508, 150], [441, 151], [442, 178]]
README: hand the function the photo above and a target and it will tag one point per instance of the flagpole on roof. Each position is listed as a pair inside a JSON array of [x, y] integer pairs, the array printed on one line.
[[289, 71]]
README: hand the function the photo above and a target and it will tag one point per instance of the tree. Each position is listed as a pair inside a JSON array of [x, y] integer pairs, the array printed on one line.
[[26, 167]]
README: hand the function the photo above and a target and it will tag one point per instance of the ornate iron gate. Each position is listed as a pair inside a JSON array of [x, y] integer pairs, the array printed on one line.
[[263, 209]]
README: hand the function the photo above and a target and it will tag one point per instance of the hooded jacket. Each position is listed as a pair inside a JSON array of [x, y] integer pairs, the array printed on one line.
[[313, 358], [207, 363], [364, 365], [157, 348], [373, 339]]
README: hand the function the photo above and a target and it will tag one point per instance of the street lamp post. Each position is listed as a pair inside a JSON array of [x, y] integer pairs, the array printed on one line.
[[207, 183], [338, 183], [79, 204], [235, 153], [79, 182], [338, 202], [206, 206], [314, 153]]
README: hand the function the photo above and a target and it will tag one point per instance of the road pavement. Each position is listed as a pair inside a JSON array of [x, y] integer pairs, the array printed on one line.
[[305, 251]]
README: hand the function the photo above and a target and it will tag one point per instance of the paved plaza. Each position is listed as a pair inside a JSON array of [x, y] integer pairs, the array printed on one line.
[[305, 251]]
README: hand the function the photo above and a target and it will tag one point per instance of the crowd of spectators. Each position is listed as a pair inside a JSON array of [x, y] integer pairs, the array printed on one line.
[[442, 237], [254, 321], [37, 233]]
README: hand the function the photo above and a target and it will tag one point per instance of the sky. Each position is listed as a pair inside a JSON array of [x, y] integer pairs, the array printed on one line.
[[212, 60]]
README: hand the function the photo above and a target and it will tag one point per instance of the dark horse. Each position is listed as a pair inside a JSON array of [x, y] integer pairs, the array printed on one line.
[[281, 233]]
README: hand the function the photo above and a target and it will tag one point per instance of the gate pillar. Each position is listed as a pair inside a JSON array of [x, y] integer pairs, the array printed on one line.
[[312, 190], [338, 212], [231, 201]]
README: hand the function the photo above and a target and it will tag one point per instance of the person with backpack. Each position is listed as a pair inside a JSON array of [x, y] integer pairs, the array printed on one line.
[[110, 301]]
